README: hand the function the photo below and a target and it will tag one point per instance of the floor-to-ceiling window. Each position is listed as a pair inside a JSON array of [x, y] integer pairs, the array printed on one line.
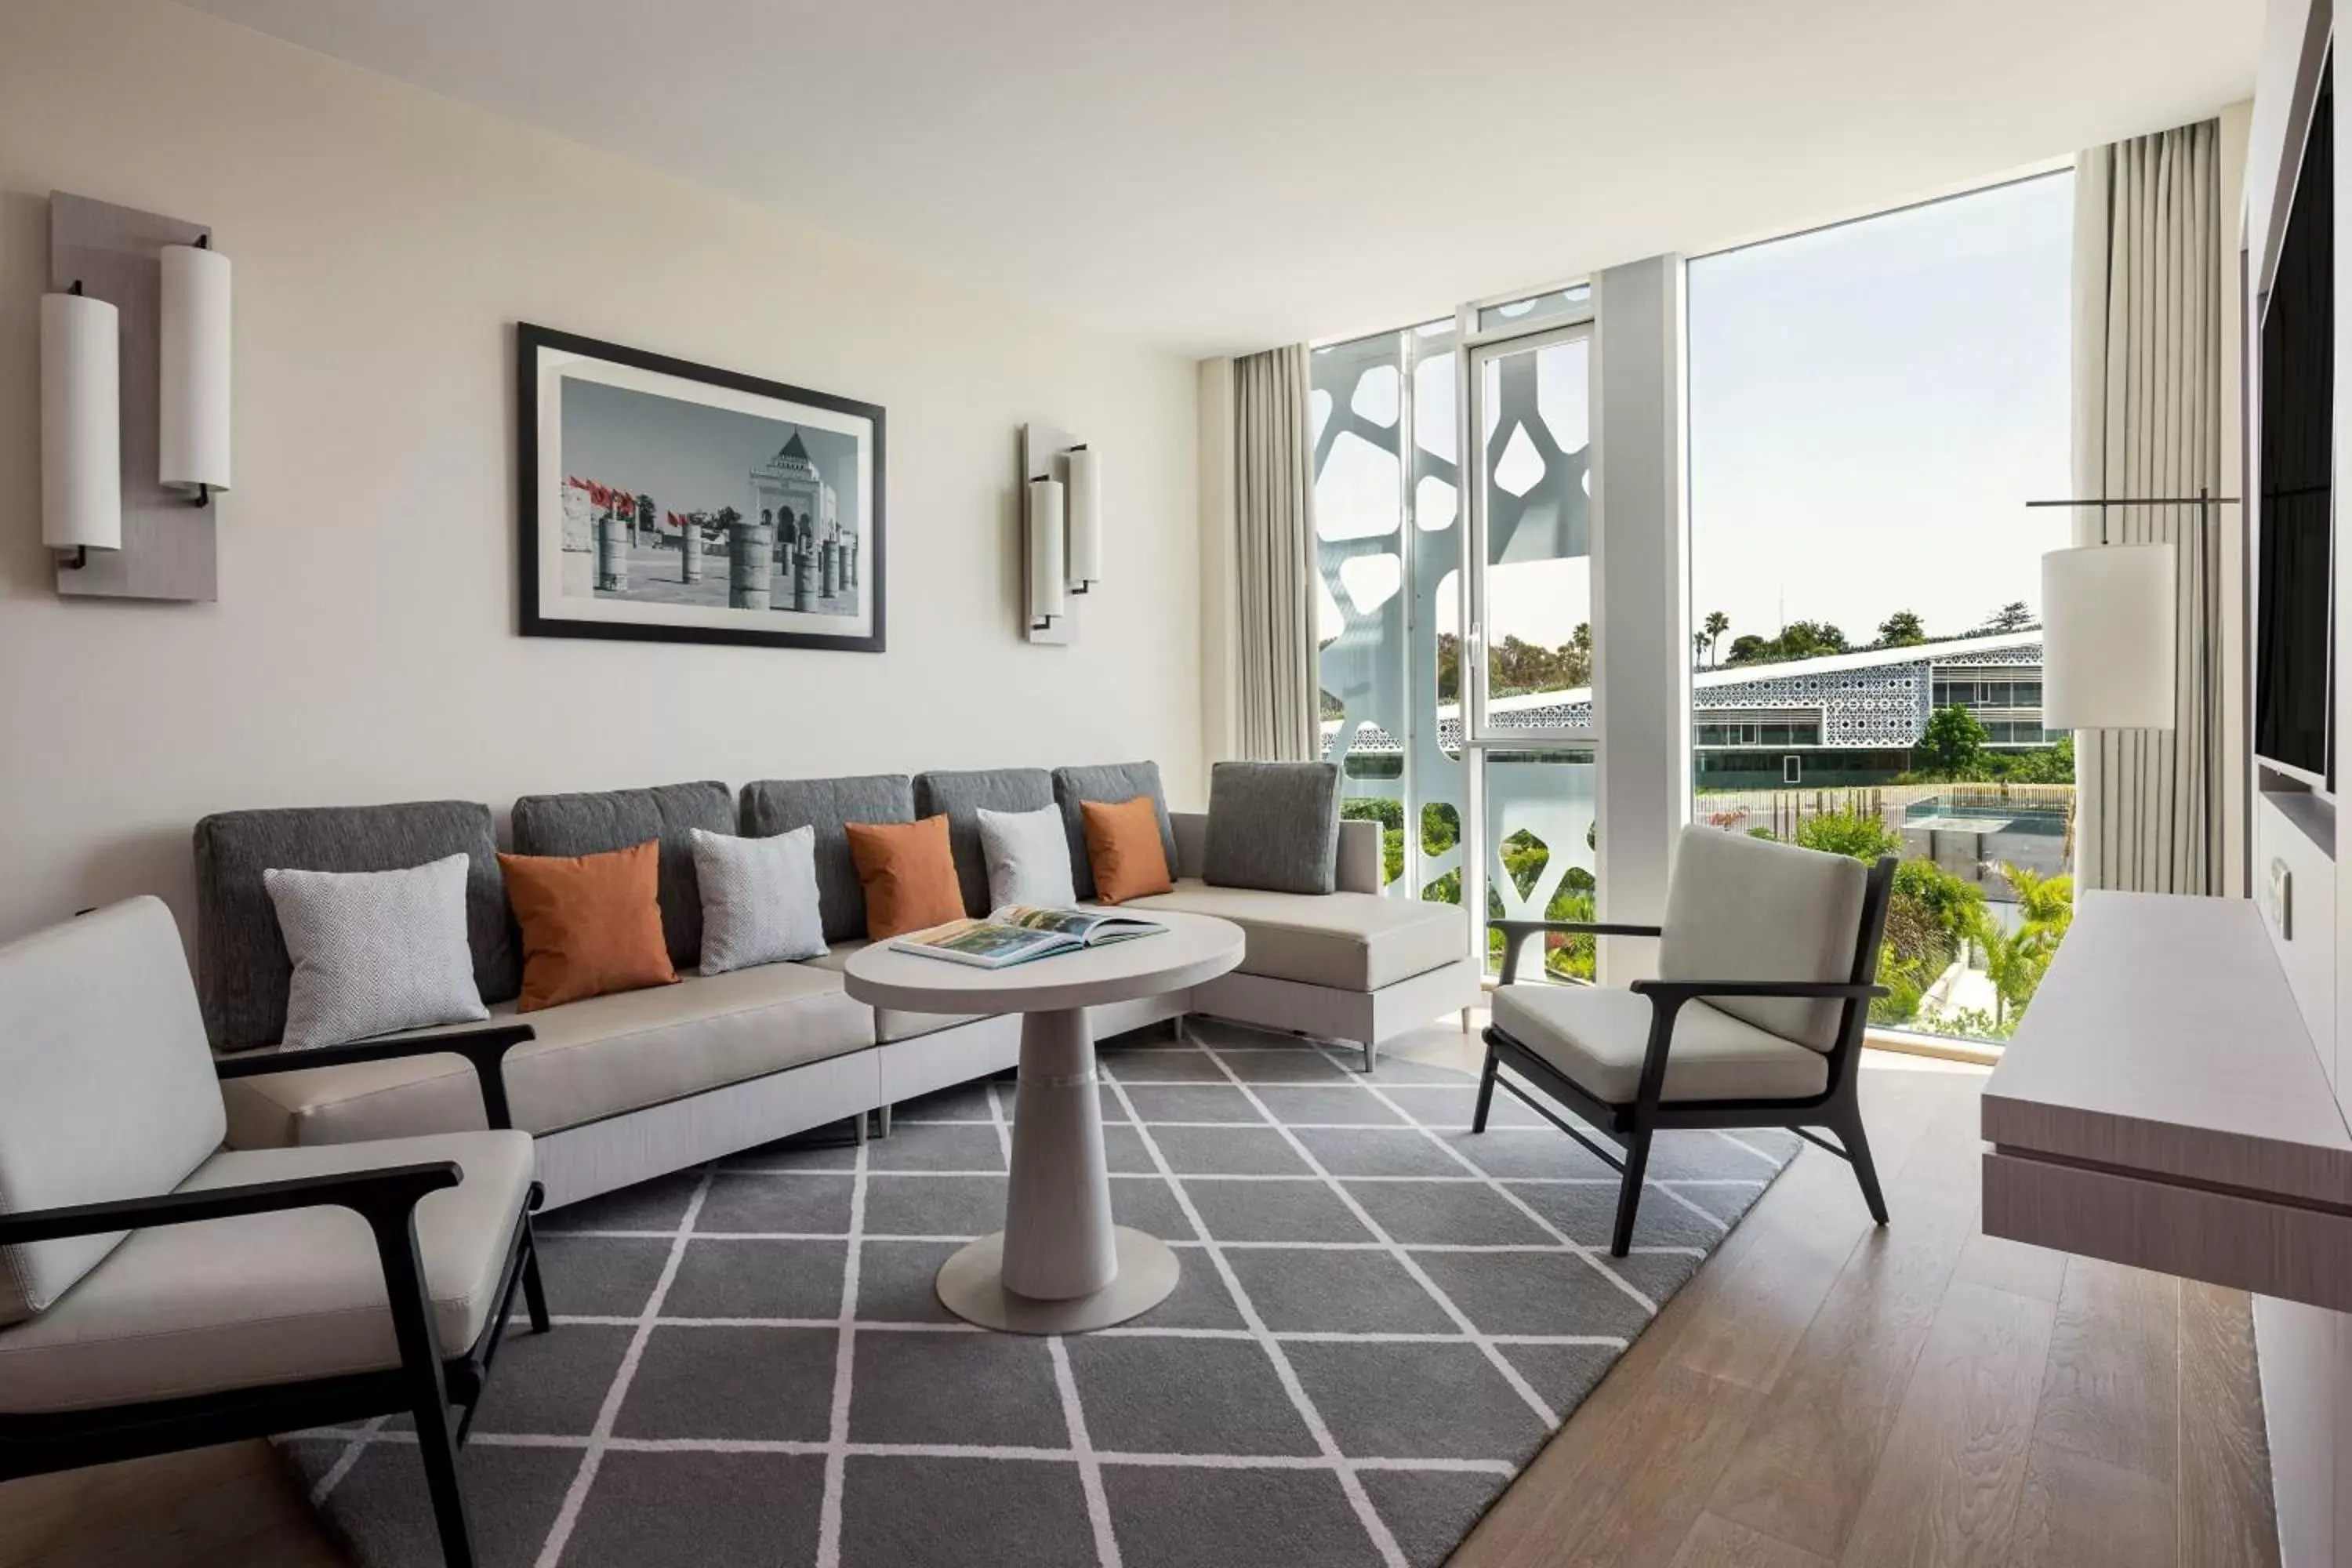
[[1871, 406], [1452, 753], [1387, 526]]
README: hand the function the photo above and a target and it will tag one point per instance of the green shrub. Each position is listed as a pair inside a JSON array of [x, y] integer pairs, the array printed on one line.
[[1860, 834]]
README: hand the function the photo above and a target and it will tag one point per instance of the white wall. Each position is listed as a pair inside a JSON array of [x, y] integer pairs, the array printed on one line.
[[364, 646]]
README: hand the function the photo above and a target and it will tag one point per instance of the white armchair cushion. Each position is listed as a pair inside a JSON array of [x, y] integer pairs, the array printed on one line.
[[1749, 908], [107, 1088], [271, 1297], [1597, 1038]]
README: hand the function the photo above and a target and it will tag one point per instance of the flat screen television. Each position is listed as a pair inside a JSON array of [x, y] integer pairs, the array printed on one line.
[[2294, 610]]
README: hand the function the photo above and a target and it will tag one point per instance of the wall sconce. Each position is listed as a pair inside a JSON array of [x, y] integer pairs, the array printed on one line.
[[1085, 519], [192, 446], [1061, 531], [1048, 561], [81, 424]]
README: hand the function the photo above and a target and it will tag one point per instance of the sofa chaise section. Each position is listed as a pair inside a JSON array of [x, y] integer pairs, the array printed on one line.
[[1351, 965]]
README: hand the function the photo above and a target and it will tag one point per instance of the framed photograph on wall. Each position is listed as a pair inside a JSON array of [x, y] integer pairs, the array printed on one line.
[[674, 502]]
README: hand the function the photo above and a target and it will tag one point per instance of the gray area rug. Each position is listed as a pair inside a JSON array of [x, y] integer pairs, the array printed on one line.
[[1380, 1319]]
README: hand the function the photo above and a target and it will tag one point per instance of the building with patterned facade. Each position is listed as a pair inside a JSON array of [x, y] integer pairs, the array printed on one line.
[[1849, 718]]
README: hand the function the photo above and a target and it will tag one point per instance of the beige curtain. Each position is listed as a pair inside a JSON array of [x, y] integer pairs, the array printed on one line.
[[1277, 709], [2149, 301]]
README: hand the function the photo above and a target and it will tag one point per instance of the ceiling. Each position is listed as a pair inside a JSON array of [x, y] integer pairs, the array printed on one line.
[[1216, 176]]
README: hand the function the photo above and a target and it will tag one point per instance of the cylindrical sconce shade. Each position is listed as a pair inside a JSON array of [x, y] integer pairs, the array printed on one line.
[[191, 445], [2109, 628], [81, 424], [1086, 518], [1047, 558]]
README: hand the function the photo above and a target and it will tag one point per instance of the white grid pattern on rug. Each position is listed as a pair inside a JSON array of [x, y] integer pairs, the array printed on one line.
[[1381, 1161]]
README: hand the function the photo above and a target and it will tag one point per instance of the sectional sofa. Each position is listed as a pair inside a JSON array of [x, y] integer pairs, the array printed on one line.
[[621, 1087]]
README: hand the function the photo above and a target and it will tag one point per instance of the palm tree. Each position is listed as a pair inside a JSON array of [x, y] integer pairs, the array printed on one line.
[[1699, 647], [2016, 961], [1716, 624]]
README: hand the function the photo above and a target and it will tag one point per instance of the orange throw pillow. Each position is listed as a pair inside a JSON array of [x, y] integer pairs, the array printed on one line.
[[908, 874], [591, 923], [1123, 846]]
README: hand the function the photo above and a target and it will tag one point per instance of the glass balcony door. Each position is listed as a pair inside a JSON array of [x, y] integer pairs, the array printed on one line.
[[1530, 720], [1385, 414], [1476, 753]]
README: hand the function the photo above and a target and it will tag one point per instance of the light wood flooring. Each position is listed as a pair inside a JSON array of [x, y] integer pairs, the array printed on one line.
[[1823, 1392]]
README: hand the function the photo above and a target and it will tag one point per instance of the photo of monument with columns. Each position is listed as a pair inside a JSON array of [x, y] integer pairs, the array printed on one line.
[[666, 501]]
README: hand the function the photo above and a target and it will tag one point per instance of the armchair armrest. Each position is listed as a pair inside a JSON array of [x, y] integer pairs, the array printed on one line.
[[1816, 990], [388, 1192], [485, 1048], [386, 1198], [1516, 934], [1667, 997]]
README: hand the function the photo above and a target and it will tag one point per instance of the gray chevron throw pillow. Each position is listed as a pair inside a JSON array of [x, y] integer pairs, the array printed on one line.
[[374, 950], [759, 898]]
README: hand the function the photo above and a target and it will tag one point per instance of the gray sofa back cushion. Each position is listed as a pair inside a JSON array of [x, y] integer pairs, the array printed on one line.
[[1112, 783], [779, 806], [960, 796], [618, 818], [242, 967], [1274, 825]]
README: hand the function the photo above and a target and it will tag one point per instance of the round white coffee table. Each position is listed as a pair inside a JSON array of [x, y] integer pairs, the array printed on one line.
[[1059, 1266]]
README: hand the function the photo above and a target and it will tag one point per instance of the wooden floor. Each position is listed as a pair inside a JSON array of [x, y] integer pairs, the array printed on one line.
[[1823, 1392]]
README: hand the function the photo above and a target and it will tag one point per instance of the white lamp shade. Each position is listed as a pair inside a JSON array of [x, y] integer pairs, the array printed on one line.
[[1047, 555], [2109, 628], [192, 439], [81, 424], [1085, 517]]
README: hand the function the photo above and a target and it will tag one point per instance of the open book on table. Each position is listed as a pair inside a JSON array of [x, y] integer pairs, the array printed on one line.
[[1019, 933]]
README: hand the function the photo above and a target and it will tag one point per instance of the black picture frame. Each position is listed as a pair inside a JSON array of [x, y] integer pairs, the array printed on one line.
[[539, 617]]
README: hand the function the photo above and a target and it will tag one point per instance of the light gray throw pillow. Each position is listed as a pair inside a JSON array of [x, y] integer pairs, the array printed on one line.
[[760, 900], [1028, 856], [374, 950], [1274, 825]]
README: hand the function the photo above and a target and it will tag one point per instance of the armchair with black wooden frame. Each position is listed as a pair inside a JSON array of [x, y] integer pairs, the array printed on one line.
[[195, 1399], [1612, 1064]]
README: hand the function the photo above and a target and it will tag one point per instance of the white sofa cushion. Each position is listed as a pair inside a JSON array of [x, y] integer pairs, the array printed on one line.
[[759, 898], [1346, 941], [593, 1059], [1597, 1036], [105, 1086], [889, 1023], [270, 1298], [1739, 908], [374, 950]]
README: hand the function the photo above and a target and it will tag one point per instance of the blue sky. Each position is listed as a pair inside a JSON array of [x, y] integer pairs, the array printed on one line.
[[1870, 407]]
